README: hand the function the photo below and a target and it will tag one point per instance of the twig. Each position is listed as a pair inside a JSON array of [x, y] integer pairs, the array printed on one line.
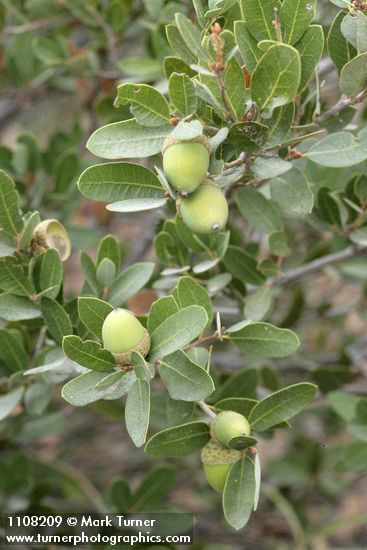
[[317, 265], [225, 100], [39, 344], [204, 407], [288, 513], [339, 106], [202, 340], [39, 24], [238, 162], [111, 36]]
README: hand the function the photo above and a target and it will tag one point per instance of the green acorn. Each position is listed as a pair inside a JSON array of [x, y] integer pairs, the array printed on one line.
[[122, 333], [227, 425], [217, 462], [206, 210], [186, 162], [51, 234]]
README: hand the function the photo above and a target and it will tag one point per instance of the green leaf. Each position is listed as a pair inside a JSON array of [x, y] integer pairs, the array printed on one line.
[[340, 51], [281, 405], [156, 485], [280, 124], [110, 379], [30, 223], [258, 304], [184, 379], [265, 340], [12, 352], [188, 292], [328, 207], [218, 7], [120, 496], [235, 86], [260, 212], [82, 390], [149, 106], [127, 139], [257, 480], [187, 130], [310, 48], [106, 272], [241, 442], [129, 282], [354, 29], [9, 401], [247, 46], [239, 493], [276, 79], [278, 244], [292, 194], [136, 205], [109, 247], [353, 78], [264, 168], [177, 65], [10, 220], [340, 150], [242, 266], [137, 412], [359, 236], [248, 136], [343, 404], [191, 36], [160, 311], [92, 313], [17, 308], [13, 278], [140, 68], [177, 331], [240, 384], [8, 244], [179, 412], [56, 319], [66, 170], [179, 46], [295, 17], [259, 17], [182, 94], [142, 369], [114, 181], [179, 441], [51, 272], [89, 271], [242, 405]]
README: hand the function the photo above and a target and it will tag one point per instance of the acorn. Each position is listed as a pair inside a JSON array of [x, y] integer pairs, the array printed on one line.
[[206, 210], [217, 462], [227, 425], [123, 333], [51, 234], [186, 162]]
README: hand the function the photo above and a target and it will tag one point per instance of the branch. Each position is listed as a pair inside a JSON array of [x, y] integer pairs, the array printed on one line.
[[339, 106], [317, 265], [204, 407], [203, 339]]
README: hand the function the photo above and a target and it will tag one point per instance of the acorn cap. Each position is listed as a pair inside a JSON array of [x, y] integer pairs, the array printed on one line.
[[51, 234], [124, 359], [169, 141], [214, 454]]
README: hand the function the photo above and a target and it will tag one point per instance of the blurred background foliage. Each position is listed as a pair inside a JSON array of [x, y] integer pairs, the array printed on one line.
[[60, 63]]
